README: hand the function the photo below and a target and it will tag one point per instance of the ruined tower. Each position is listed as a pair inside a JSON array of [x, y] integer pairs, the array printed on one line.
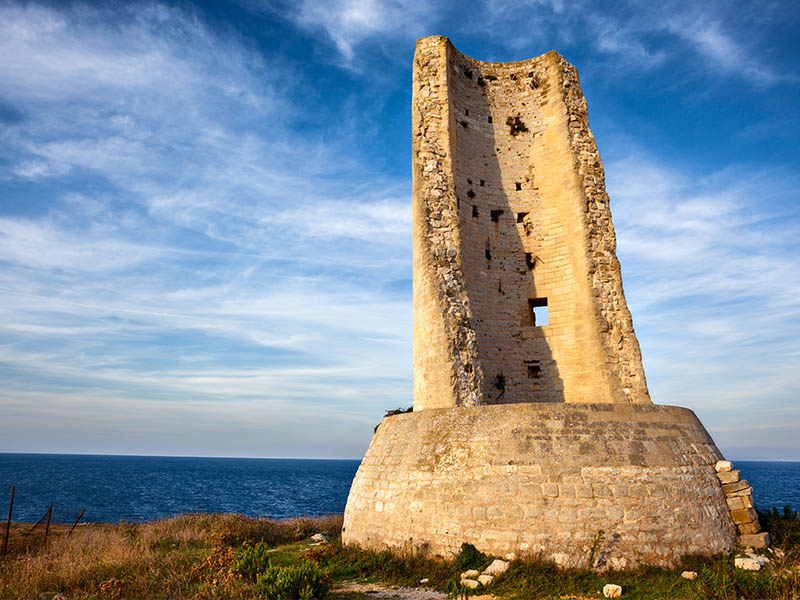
[[532, 430]]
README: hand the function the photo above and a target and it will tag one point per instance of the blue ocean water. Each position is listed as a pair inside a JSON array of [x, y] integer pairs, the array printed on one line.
[[135, 488]]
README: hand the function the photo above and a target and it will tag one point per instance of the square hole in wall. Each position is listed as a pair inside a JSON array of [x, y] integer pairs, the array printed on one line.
[[534, 369], [475, 212], [496, 214], [537, 312], [518, 185]]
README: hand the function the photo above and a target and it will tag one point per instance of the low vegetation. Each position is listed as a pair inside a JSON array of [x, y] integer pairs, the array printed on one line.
[[210, 556]]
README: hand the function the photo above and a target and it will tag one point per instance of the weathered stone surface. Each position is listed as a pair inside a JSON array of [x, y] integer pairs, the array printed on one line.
[[748, 528], [689, 574], [611, 590], [319, 538], [437, 478], [496, 568], [728, 476], [510, 210], [754, 540], [738, 486], [471, 574], [470, 583], [747, 515], [485, 579], [723, 465]]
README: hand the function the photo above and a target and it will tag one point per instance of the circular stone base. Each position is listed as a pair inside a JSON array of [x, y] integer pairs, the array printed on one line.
[[600, 485]]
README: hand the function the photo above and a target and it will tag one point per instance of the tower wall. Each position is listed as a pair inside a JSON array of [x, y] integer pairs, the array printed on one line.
[[510, 211]]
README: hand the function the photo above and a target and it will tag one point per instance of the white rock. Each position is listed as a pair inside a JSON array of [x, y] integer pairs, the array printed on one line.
[[723, 466], [424, 581], [746, 563], [689, 574], [760, 559], [498, 566], [510, 556], [612, 590], [318, 537], [470, 583], [471, 574], [485, 579]]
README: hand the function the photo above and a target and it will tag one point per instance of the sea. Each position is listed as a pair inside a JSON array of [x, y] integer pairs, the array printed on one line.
[[141, 488]]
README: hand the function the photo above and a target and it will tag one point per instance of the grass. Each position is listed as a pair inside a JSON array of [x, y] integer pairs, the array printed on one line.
[[200, 556]]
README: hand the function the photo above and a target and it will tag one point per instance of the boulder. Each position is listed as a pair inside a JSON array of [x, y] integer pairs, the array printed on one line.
[[498, 566], [689, 574], [612, 590], [723, 465], [755, 540], [471, 574], [319, 538], [470, 583], [751, 562], [424, 581], [485, 579]]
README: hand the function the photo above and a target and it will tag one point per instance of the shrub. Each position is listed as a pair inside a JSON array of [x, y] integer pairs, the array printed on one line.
[[302, 582], [252, 560], [469, 557]]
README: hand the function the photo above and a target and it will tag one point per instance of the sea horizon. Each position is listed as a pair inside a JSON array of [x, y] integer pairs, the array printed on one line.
[[132, 487]]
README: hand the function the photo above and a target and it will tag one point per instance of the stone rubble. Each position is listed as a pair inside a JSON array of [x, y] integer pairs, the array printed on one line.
[[689, 574], [611, 590], [739, 498]]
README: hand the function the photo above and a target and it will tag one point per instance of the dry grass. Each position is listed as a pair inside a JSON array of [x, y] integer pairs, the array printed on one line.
[[186, 556]]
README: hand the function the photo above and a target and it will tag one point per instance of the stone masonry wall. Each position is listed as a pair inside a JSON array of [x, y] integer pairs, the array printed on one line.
[[638, 480], [510, 212], [543, 478]]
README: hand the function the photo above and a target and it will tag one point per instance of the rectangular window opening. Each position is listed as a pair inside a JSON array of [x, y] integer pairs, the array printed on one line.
[[482, 182], [530, 260], [475, 212], [518, 186], [496, 214], [521, 217], [534, 369], [490, 118], [537, 312]]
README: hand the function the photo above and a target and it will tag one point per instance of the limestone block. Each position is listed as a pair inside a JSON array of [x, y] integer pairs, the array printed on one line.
[[735, 487], [472, 583], [748, 564], [723, 465], [755, 540], [496, 568], [319, 537], [736, 503], [728, 476], [747, 515], [471, 574], [748, 528], [612, 590], [689, 574], [424, 581], [485, 579]]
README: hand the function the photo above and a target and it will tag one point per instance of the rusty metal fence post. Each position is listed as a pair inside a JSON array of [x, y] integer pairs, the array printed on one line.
[[75, 524], [8, 523], [47, 528]]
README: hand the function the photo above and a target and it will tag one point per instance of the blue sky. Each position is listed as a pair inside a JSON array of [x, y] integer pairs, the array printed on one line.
[[205, 234]]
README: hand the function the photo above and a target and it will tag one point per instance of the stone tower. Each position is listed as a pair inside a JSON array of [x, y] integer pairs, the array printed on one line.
[[532, 429]]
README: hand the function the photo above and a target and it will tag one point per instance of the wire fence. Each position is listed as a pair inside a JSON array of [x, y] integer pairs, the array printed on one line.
[[41, 529]]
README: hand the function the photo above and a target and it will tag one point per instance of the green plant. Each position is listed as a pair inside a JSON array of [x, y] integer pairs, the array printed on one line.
[[302, 582], [469, 557], [252, 560], [456, 590], [596, 541]]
